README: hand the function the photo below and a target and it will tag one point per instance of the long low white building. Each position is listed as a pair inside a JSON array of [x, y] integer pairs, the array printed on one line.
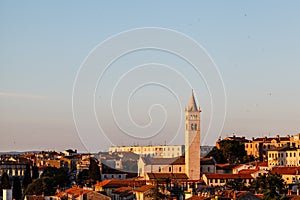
[[160, 151]]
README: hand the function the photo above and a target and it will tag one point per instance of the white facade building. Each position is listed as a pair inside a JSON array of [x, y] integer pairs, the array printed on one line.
[[160, 151]]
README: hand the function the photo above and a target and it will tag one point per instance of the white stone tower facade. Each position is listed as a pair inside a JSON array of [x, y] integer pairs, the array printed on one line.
[[192, 140]]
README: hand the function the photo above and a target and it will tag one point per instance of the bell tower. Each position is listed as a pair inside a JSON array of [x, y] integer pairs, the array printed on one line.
[[192, 140]]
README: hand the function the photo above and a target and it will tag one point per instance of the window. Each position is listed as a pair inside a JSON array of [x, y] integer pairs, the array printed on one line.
[[192, 127], [208, 169], [120, 176], [179, 169], [159, 169], [294, 154], [170, 169]]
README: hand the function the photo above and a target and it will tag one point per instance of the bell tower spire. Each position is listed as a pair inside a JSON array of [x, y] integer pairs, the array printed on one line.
[[192, 105]]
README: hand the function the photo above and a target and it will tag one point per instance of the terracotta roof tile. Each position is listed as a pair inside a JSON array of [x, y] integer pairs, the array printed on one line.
[[153, 176], [144, 188], [286, 170], [248, 171], [228, 176]]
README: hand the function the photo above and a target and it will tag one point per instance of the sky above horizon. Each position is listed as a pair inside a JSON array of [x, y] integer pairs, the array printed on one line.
[[254, 45]]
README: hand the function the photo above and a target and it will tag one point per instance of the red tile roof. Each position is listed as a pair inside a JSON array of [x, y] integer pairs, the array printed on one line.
[[286, 170], [102, 183], [122, 189], [262, 164], [144, 188], [225, 166], [238, 166], [75, 192], [154, 176], [114, 183], [228, 176], [248, 171]]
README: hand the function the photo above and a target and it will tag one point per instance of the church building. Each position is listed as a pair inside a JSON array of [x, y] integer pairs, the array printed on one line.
[[186, 167]]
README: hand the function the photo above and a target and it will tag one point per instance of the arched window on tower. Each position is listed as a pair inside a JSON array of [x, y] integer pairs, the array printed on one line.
[[193, 127]]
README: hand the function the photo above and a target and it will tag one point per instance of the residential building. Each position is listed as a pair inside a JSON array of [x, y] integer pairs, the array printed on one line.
[[208, 165], [144, 192], [290, 175], [284, 156], [222, 179], [258, 147], [252, 165], [254, 172]]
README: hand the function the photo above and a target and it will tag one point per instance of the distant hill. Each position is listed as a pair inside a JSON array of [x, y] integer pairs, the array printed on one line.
[[18, 152]]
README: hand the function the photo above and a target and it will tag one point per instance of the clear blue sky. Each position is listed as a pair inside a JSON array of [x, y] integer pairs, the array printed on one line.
[[255, 45]]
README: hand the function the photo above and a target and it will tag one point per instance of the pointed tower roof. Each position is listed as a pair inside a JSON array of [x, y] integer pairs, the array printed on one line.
[[192, 105]]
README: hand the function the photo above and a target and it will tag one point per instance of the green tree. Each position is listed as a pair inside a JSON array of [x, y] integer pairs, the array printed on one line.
[[17, 190], [230, 151], [83, 177], [233, 151], [27, 177], [94, 171], [44, 185], [236, 184], [58, 176], [35, 172], [271, 186], [217, 154], [5, 183]]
